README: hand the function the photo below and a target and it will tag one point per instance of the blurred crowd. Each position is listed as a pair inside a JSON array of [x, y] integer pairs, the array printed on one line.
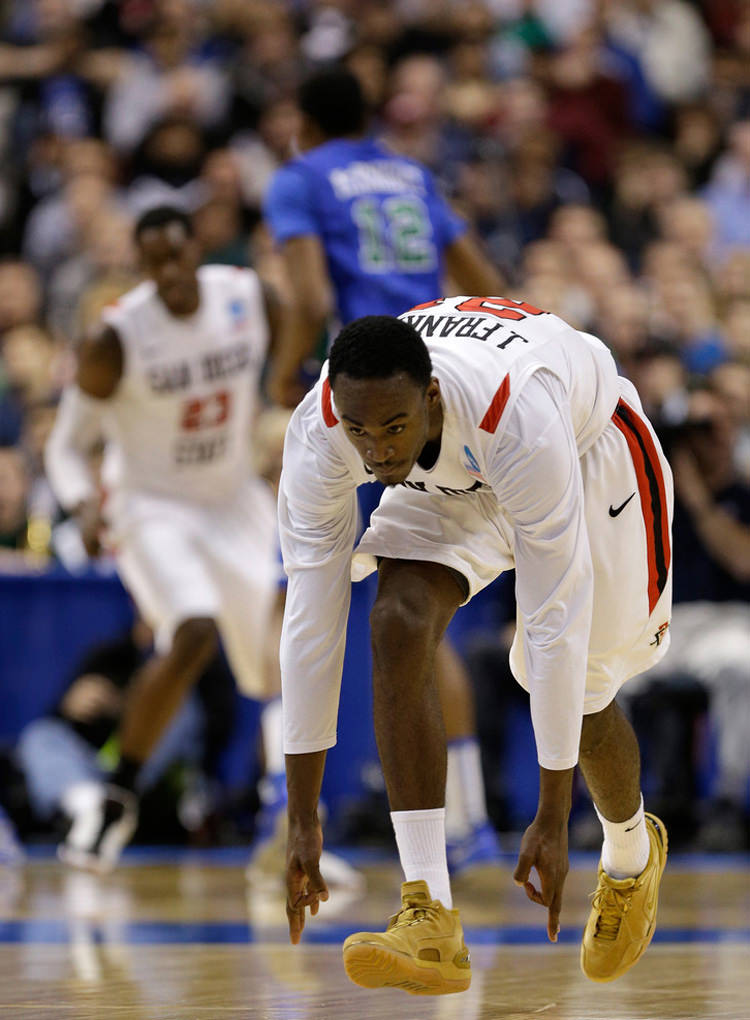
[[600, 148]]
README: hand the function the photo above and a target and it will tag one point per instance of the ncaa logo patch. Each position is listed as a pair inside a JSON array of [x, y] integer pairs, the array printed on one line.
[[472, 465], [237, 313]]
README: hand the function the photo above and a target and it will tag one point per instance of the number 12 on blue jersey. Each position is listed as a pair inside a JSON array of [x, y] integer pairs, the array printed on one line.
[[395, 234]]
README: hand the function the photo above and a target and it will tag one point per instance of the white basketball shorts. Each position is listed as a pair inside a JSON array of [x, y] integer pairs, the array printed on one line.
[[182, 560], [631, 552]]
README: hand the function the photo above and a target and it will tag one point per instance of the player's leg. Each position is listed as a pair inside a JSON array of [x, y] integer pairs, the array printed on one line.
[[471, 840], [156, 693], [634, 853], [414, 604], [630, 552], [159, 565], [423, 949], [159, 689], [611, 765], [435, 552]]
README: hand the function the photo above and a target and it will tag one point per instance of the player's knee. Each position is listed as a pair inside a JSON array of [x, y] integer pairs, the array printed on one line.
[[399, 627], [195, 640]]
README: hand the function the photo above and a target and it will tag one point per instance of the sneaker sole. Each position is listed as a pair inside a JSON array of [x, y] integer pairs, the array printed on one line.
[[372, 966], [662, 833]]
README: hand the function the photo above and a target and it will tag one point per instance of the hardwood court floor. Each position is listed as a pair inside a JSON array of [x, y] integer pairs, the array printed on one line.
[[182, 938]]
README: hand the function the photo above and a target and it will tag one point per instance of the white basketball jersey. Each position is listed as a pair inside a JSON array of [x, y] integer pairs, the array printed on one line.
[[179, 423], [483, 351]]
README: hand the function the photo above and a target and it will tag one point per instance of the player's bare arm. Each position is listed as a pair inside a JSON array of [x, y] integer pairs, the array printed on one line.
[[312, 305], [282, 382], [100, 363], [304, 883], [545, 846], [469, 268], [99, 370]]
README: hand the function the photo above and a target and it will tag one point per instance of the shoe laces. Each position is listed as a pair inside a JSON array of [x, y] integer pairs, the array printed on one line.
[[612, 905], [411, 913]]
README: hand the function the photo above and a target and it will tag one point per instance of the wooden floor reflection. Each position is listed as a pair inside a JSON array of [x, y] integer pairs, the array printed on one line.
[[185, 939]]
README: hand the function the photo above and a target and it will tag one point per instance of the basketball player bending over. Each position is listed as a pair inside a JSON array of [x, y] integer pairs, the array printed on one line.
[[505, 438]]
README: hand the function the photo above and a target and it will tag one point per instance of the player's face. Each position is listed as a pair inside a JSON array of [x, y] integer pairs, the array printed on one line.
[[170, 258], [388, 421]]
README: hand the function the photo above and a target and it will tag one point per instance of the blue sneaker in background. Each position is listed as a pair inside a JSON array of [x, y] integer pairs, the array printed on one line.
[[481, 848]]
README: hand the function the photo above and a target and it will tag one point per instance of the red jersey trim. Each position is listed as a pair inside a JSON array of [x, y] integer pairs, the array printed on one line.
[[653, 497], [326, 405], [494, 412]]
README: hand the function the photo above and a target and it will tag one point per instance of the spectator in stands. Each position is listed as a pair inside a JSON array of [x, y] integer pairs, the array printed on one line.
[[711, 617], [106, 258], [14, 490], [20, 295], [57, 225], [27, 359], [647, 176], [261, 151], [588, 108], [731, 381], [169, 77], [727, 190]]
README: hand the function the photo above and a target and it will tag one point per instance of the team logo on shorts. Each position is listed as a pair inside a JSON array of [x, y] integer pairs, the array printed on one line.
[[472, 465], [661, 632]]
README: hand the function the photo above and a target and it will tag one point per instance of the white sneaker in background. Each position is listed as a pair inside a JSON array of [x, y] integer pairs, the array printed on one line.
[[103, 819]]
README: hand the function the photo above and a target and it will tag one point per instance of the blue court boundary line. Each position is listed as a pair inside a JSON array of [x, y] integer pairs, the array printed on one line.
[[60, 932], [236, 856]]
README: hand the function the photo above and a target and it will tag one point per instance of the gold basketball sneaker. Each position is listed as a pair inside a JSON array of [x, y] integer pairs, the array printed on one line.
[[623, 915], [421, 951]]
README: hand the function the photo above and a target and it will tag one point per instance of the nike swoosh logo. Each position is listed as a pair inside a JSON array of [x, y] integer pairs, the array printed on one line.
[[621, 507]]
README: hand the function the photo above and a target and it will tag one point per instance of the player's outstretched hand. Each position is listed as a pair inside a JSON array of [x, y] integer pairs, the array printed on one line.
[[305, 886], [545, 848]]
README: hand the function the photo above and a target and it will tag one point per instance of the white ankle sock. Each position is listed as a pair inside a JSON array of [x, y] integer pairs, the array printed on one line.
[[420, 837], [626, 847]]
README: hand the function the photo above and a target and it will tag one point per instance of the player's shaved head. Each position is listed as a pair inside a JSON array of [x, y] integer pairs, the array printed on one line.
[[162, 216], [378, 347]]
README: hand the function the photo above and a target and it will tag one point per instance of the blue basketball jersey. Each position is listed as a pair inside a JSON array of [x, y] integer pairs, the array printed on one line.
[[379, 217]]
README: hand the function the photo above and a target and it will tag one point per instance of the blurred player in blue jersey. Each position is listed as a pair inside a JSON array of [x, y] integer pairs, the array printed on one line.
[[365, 231]]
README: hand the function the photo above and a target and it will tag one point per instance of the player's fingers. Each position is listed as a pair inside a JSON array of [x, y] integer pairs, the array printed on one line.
[[523, 869], [316, 884], [533, 893], [553, 917], [296, 919]]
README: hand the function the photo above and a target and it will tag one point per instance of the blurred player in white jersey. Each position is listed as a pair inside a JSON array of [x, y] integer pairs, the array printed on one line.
[[172, 377], [505, 438]]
